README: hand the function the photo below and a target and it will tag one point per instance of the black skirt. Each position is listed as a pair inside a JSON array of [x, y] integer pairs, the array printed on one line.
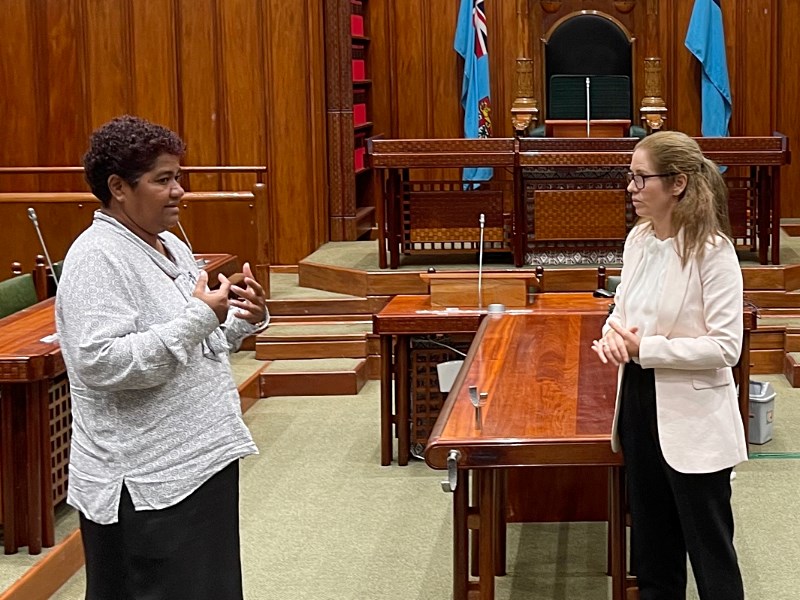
[[189, 550]]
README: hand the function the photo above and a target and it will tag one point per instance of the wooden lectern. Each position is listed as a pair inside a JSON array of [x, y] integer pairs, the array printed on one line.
[[461, 288], [598, 128]]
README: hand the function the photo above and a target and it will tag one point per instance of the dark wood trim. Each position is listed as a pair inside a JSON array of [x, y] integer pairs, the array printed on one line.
[[49, 574]]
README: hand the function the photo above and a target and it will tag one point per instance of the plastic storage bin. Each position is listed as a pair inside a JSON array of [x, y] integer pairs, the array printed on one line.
[[762, 412]]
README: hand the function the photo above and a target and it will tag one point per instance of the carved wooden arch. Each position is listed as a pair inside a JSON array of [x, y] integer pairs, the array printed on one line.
[[545, 39], [597, 13], [637, 19]]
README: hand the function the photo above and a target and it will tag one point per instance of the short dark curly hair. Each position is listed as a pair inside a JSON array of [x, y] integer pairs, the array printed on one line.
[[129, 147]]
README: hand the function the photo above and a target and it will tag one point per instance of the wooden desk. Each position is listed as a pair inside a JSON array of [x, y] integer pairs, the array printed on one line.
[[28, 368], [35, 419], [598, 128], [214, 264], [405, 316], [550, 402], [417, 212]]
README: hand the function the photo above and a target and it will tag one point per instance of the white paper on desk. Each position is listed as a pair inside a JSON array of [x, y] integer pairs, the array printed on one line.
[[50, 339]]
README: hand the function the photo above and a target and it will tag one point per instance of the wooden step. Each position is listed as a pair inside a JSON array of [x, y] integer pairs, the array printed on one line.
[[767, 361], [791, 368], [327, 306], [314, 377], [774, 299], [302, 340]]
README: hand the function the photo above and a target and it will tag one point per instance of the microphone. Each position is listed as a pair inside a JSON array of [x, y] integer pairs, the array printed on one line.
[[482, 221], [35, 220], [185, 237], [200, 262], [588, 111]]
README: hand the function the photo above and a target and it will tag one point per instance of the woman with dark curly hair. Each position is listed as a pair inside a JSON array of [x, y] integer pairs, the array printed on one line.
[[157, 426]]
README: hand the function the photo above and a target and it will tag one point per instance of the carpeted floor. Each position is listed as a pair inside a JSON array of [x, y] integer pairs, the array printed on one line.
[[321, 520]]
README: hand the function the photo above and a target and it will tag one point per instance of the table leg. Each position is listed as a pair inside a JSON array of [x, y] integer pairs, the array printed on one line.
[[386, 400], [617, 527], [775, 202], [34, 471], [488, 525], [8, 458], [380, 199], [402, 400], [763, 215], [48, 510], [500, 521], [461, 537]]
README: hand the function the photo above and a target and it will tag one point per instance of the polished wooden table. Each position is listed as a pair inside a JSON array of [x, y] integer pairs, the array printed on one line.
[[29, 361], [550, 402], [214, 264], [405, 316], [30, 366], [401, 318]]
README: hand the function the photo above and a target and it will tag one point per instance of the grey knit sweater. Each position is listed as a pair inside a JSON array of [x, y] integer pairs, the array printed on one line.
[[154, 403]]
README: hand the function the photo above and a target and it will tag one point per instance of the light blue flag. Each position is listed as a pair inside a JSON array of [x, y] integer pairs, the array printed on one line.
[[470, 43], [706, 40]]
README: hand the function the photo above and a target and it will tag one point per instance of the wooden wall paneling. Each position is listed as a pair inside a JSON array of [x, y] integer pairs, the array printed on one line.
[[153, 33], [201, 111], [18, 100], [754, 74], [107, 62], [241, 80], [380, 51], [446, 72], [787, 91], [410, 55], [501, 42], [60, 222], [682, 71], [338, 88], [60, 88], [292, 122], [229, 227], [318, 145]]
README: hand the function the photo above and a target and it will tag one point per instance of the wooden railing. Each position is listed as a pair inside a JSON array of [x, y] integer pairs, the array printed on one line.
[[234, 222]]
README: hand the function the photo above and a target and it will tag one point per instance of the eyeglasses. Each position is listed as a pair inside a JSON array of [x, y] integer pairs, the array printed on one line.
[[640, 180]]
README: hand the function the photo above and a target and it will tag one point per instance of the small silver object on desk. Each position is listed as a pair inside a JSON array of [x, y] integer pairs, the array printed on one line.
[[495, 309], [450, 484], [476, 402]]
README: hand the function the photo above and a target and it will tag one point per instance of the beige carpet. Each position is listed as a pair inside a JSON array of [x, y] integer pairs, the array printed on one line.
[[321, 520]]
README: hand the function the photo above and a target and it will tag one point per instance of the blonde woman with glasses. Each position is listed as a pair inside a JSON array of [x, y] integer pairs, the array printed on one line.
[[675, 332]]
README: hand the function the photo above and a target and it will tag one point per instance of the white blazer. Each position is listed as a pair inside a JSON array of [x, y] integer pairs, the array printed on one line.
[[698, 339]]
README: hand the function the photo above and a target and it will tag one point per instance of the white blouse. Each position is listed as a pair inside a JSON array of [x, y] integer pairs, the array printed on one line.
[[647, 285]]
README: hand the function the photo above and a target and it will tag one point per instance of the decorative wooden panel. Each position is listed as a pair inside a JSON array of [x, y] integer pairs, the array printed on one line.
[[18, 98], [241, 81], [579, 215], [201, 88]]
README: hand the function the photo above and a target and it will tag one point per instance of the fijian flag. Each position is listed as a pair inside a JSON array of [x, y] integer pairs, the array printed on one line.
[[706, 40], [470, 43]]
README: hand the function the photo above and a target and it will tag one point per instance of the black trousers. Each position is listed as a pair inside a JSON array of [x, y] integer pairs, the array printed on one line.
[[673, 513], [186, 551]]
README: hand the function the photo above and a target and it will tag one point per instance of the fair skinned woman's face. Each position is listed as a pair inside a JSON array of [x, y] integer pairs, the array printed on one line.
[[152, 205], [658, 197]]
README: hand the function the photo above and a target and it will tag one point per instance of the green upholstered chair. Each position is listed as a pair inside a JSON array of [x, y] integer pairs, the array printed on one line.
[[17, 293], [58, 266], [605, 281]]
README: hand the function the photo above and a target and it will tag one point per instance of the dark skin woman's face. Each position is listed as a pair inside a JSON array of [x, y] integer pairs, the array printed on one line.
[[151, 206]]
